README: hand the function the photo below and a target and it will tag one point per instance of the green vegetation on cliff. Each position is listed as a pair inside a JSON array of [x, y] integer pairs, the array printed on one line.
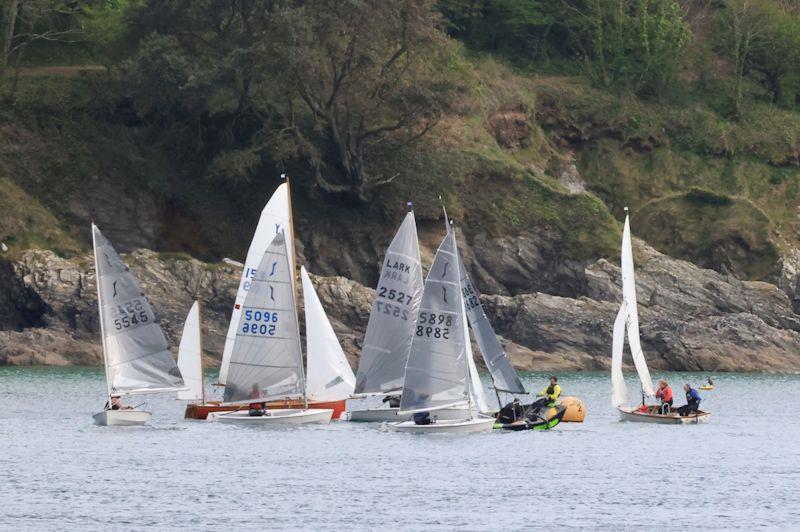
[[531, 115]]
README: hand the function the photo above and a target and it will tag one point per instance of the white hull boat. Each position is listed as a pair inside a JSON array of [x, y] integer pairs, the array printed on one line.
[[378, 415], [121, 418], [275, 416], [446, 426], [673, 418]]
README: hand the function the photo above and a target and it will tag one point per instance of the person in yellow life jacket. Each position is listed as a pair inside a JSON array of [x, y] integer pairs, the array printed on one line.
[[549, 395]]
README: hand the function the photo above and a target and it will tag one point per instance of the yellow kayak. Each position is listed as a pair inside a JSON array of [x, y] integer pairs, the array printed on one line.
[[707, 387]]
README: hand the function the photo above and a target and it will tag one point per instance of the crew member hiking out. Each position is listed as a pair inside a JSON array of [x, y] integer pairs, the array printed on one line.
[[692, 401]]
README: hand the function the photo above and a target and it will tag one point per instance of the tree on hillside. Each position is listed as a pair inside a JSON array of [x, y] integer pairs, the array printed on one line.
[[326, 82], [637, 44], [9, 13]]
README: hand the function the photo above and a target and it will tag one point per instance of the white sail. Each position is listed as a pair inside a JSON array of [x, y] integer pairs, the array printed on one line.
[[137, 357], [437, 372], [266, 362], [476, 386], [190, 356], [393, 316], [275, 217], [619, 392], [504, 375], [629, 296], [329, 375]]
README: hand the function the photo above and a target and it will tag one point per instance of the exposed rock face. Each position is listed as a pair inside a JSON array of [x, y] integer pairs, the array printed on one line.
[[691, 318]]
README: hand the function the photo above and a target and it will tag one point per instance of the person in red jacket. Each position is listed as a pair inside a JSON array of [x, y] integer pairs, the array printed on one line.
[[664, 393]]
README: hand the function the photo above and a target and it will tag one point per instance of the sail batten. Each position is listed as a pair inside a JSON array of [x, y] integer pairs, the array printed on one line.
[[275, 217], [393, 315], [136, 354], [266, 360]]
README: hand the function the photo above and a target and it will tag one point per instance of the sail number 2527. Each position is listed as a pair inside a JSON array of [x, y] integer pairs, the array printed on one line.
[[259, 322]]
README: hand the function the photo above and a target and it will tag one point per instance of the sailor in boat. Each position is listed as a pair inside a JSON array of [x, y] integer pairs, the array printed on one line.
[[692, 401], [393, 400], [256, 408], [549, 395], [116, 404], [664, 394]]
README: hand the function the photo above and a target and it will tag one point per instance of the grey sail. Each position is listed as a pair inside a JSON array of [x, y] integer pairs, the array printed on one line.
[[266, 361], [437, 372], [393, 315], [503, 373], [137, 357]]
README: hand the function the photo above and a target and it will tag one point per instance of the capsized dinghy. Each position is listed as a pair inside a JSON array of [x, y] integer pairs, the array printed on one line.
[[136, 355], [437, 374], [266, 363], [628, 320]]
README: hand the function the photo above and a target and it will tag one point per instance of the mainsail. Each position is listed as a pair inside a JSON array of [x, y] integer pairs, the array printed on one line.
[[266, 362], [393, 316], [190, 356], [137, 357], [329, 375], [275, 217], [629, 297], [503, 373], [437, 372]]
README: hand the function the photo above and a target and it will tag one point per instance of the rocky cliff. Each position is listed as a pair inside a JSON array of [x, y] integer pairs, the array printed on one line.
[[691, 318]]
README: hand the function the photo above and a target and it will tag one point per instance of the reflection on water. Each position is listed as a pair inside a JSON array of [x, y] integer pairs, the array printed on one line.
[[60, 471]]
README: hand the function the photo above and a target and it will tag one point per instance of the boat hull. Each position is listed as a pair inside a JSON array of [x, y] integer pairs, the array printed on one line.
[[201, 411], [634, 415], [554, 416], [391, 415], [278, 416], [121, 418], [445, 426]]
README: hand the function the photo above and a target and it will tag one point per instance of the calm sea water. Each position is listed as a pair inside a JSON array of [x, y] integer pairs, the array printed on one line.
[[59, 471]]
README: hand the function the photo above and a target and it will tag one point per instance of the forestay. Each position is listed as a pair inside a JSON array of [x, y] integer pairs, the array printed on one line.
[[437, 371], [189, 356], [266, 362], [393, 315], [504, 375], [137, 356], [275, 217], [629, 297], [329, 375]]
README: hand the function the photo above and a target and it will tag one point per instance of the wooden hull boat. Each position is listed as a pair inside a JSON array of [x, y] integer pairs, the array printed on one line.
[[201, 411], [652, 415], [445, 426], [280, 416], [121, 418]]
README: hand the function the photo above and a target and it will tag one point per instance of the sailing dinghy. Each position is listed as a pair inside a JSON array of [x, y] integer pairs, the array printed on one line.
[[437, 375], [277, 216], [628, 320], [136, 356], [266, 361], [391, 326]]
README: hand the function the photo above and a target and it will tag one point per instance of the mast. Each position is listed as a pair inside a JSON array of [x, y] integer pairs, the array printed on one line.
[[293, 266], [100, 312], [467, 350]]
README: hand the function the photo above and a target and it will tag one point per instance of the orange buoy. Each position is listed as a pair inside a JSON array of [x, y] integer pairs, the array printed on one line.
[[576, 410]]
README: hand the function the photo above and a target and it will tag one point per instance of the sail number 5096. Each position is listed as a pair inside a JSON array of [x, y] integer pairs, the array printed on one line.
[[259, 322]]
